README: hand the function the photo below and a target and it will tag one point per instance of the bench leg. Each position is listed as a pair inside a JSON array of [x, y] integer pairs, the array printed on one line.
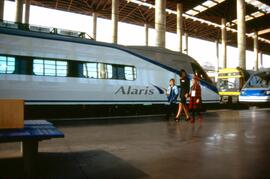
[[29, 151]]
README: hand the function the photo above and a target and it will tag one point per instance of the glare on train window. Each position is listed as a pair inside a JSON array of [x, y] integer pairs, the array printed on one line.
[[109, 72], [102, 71], [130, 73], [90, 70], [120, 72], [50, 67], [7, 64]]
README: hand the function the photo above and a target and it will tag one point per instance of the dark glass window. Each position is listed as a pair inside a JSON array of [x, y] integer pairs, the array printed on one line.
[[118, 72]]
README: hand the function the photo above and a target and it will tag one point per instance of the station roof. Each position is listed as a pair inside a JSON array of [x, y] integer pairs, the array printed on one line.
[[202, 18]]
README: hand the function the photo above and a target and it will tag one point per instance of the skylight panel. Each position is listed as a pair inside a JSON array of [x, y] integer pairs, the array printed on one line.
[[200, 8], [257, 14], [209, 3], [192, 12], [219, 1], [204, 6], [261, 6], [265, 8], [248, 17]]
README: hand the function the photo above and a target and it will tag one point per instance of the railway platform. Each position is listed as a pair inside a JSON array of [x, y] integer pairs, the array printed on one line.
[[225, 144]]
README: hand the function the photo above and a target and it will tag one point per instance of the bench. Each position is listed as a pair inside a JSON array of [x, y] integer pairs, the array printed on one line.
[[33, 132]]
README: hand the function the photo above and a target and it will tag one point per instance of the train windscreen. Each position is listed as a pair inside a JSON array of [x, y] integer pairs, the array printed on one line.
[[259, 80], [202, 74], [229, 84]]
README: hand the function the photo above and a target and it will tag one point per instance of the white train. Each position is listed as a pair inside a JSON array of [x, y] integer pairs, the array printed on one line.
[[53, 69]]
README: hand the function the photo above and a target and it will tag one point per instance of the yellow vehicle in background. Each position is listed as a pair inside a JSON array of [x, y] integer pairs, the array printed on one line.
[[230, 82]]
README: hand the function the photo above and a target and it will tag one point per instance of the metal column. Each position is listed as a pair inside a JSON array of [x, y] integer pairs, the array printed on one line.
[[217, 55], [146, 28], [115, 17], [256, 51], [217, 60], [2, 6], [19, 11], [94, 26], [261, 59], [160, 22], [186, 37], [241, 35], [27, 11], [224, 42], [179, 26]]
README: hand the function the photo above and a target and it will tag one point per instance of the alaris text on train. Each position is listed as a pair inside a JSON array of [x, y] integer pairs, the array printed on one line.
[[129, 90]]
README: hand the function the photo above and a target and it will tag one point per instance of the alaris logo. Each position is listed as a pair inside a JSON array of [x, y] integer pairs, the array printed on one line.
[[129, 90]]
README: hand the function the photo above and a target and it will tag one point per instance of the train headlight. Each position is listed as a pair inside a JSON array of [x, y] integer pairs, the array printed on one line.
[[267, 92], [243, 92]]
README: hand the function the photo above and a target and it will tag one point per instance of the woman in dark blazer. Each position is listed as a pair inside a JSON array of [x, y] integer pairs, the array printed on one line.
[[184, 93]]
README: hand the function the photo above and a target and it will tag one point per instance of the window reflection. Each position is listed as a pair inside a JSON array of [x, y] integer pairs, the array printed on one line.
[[109, 71], [7, 64], [49, 67]]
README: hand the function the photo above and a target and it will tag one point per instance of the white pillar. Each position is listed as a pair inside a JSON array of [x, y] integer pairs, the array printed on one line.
[[217, 55], [19, 11], [94, 26], [179, 25], [217, 60], [27, 11], [186, 37], [256, 51], [115, 17], [224, 42], [241, 35], [160, 22], [146, 28], [2, 5], [261, 59]]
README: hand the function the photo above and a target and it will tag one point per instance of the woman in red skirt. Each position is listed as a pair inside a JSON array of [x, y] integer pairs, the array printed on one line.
[[195, 102]]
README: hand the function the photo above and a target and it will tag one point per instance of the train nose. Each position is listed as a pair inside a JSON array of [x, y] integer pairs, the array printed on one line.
[[243, 93]]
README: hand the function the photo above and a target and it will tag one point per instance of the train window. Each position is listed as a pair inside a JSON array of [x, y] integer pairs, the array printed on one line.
[[130, 73], [50, 67], [109, 72], [101, 71], [7, 64], [61, 68], [260, 80], [120, 72], [90, 70]]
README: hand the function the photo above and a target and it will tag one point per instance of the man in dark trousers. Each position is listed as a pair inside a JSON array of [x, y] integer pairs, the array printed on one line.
[[172, 94]]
